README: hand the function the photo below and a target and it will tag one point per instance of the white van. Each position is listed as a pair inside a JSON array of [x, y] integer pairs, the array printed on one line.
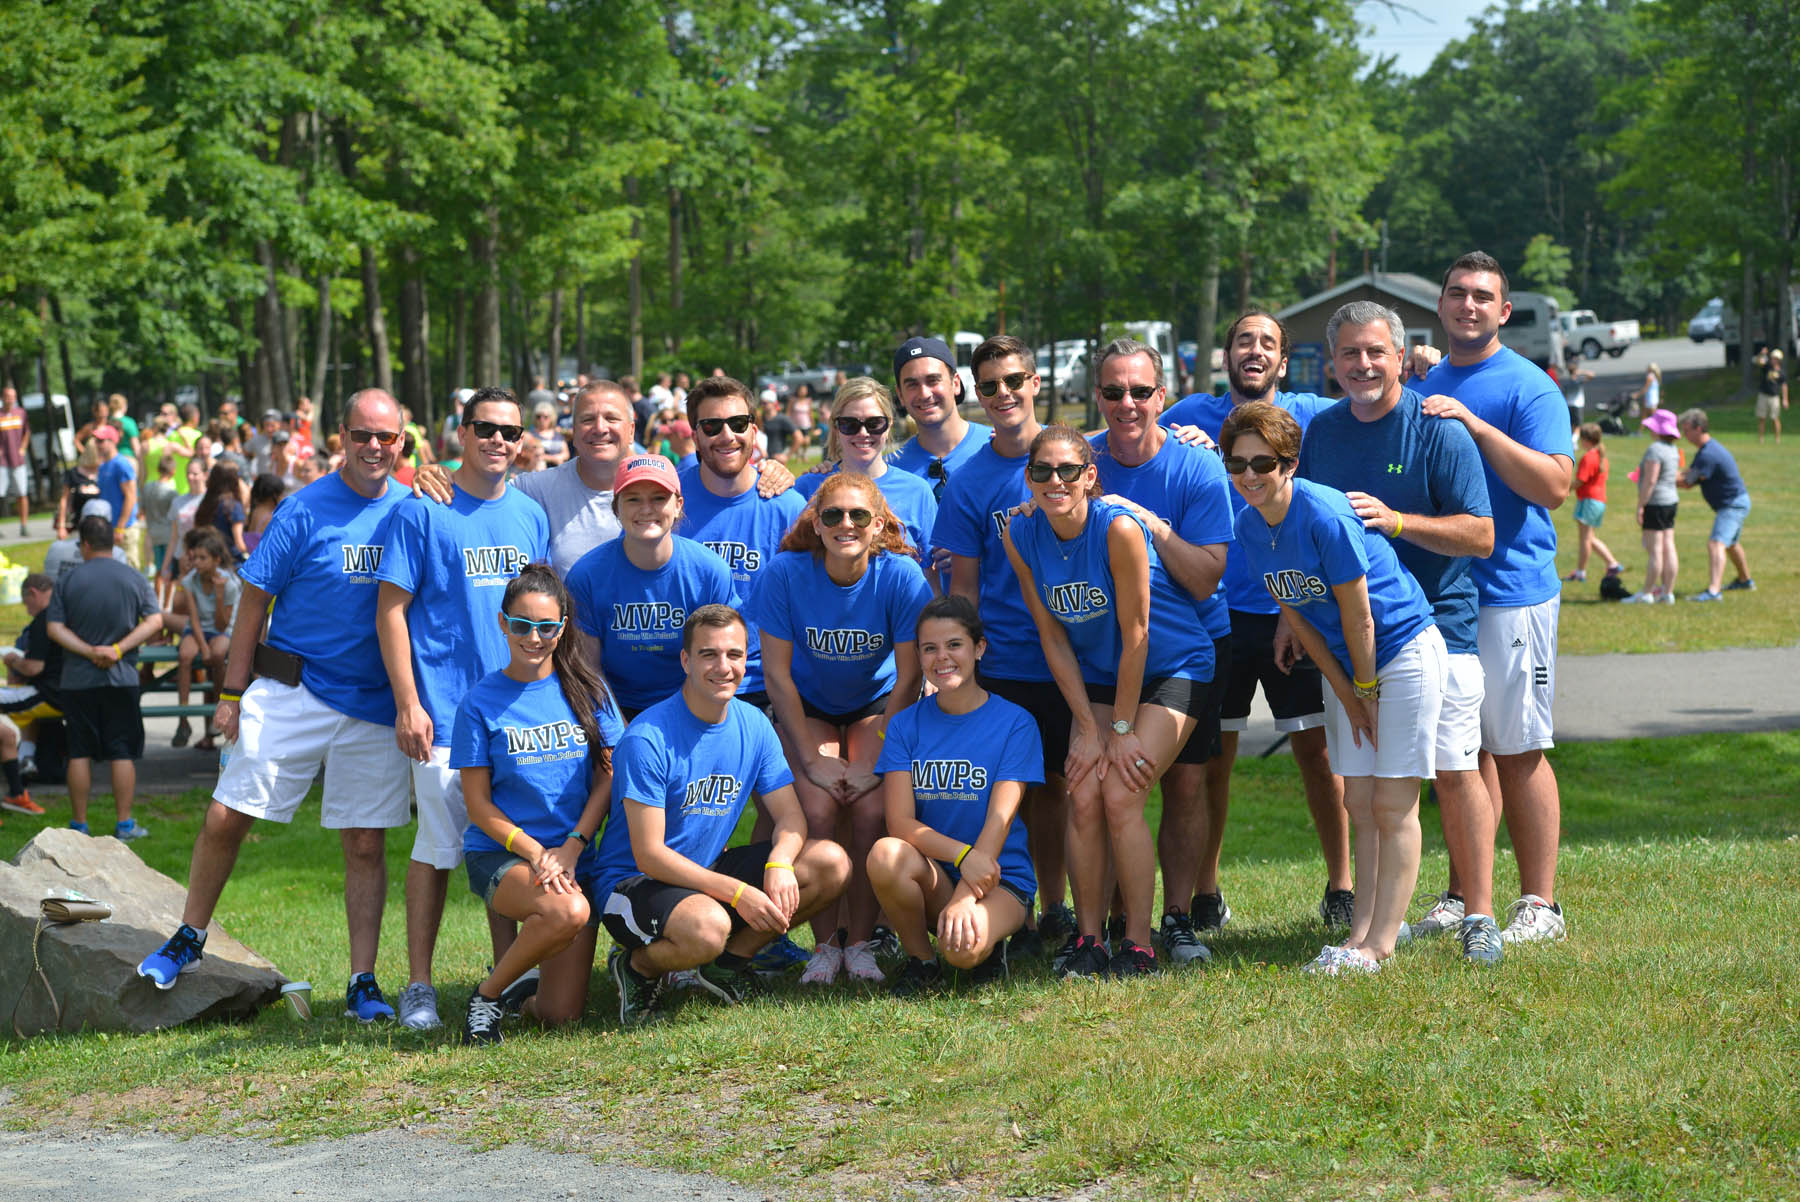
[[1533, 329], [63, 423]]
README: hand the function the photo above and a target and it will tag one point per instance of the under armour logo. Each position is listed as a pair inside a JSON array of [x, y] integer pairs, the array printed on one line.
[[1394, 469]]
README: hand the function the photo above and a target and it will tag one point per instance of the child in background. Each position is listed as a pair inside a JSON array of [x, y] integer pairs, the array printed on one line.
[[208, 598], [265, 495], [1590, 503], [159, 502]]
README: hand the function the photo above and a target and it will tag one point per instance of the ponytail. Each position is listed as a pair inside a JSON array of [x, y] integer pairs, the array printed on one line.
[[572, 659]]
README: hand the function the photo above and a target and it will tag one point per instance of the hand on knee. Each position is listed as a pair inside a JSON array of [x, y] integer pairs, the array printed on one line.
[[966, 959]]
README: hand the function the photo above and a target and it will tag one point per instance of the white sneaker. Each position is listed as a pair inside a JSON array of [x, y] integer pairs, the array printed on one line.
[[1326, 961], [826, 962], [418, 1007], [1639, 599], [1667, 599], [1531, 919], [1445, 914], [859, 962], [1354, 962]]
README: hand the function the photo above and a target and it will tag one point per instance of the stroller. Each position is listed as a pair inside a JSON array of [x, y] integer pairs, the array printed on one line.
[[1614, 412]]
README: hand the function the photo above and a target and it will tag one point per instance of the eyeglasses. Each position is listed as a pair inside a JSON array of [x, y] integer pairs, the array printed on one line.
[[1014, 380], [386, 438], [834, 516], [1139, 392], [737, 423], [849, 426], [938, 472], [1068, 473], [520, 627], [1262, 465], [489, 429]]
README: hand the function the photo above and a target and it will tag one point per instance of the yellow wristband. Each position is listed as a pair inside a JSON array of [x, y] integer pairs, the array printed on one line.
[[962, 855], [1399, 523], [118, 652], [231, 696], [778, 864], [734, 897], [511, 837], [1365, 684]]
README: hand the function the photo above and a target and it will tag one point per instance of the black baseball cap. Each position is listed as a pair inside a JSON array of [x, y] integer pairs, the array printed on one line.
[[913, 348]]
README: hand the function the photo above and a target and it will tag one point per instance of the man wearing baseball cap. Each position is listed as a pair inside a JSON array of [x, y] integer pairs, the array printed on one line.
[[118, 487], [930, 390]]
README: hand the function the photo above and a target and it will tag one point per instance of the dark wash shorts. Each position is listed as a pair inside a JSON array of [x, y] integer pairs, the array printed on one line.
[[639, 907]]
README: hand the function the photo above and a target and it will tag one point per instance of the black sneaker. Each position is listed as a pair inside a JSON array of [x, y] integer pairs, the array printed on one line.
[[482, 1022], [729, 985], [513, 997], [1056, 924], [886, 945], [992, 970], [1338, 907], [1179, 940], [638, 996], [1132, 960], [1210, 913], [1088, 960], [1025, 944], [1064, 952], [919, 976]]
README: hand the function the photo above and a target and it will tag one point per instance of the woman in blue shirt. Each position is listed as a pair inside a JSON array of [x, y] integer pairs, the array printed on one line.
[[837, 609], [1125, 645], [533, 743], [955, 767], [861, 440], [1365, 622]]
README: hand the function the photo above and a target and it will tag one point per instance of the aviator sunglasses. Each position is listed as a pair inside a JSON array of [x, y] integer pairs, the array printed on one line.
[[386, 438], [737, 423], [1014, 380], [1262, 465], [849, 426], [1068, 473], [520, 627], [834, 516]]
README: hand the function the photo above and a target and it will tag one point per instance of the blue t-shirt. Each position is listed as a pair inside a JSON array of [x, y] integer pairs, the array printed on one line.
[[1186, 486], [456, 560], [699, 774], [1320, 544], [318, 557], [1244, 592], [955, 760], [909, 496], [916, 460], [1074, 580], [1721, 484], [843, 635], [536, 754], [1515, 396], [976, 502], [1415, 464], [113, 475], [745, 531], [638, 616]]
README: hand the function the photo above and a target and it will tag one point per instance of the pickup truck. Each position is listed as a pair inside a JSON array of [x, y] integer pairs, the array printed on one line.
[[1583, 328]]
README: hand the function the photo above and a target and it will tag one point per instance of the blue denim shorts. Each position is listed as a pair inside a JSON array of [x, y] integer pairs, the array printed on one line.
[[1728, 522], [486, 868]]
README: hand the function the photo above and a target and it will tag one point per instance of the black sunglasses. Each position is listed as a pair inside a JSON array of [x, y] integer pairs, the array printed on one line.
[[848, 426], [737, 423], [1262, 465], [489, 429], [386, 438], [1139, 392], [938, 472], [834, 516], [1068, 473], [1014, 380]]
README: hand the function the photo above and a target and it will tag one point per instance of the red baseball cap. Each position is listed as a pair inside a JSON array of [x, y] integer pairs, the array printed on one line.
[[654, 468], [110, 433]]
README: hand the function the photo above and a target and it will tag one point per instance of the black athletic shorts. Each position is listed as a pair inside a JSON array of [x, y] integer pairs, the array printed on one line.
[[871, 710], [1203, 744], [1659, 517], [639, 907], [104, 723], [1296, 699], [1044, 702]]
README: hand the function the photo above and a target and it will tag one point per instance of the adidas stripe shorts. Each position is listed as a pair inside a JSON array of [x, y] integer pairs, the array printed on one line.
[[1518, 660]]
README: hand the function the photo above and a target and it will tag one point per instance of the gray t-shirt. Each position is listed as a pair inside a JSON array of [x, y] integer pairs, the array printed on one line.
[[214, 616], [580, 517], [1663, 491], [102, 601]]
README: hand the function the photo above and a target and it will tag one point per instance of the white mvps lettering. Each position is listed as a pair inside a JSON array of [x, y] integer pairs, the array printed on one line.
[[551, 736], [1294, 585], [948, 776], [361, 560], [713, 792], [493, 561], [1076, 597], [648, 615], [844, 642]]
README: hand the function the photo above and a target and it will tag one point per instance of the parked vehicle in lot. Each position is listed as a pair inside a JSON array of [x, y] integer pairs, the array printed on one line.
[[62, 424], [1533, 329], [1717, 319], [1709, 322], [1583, 328]]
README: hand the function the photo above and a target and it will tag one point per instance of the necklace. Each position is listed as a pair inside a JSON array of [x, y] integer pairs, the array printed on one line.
[[1275, 533]]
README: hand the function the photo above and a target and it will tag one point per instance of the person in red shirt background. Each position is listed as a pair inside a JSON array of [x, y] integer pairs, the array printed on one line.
[[1590, 503]]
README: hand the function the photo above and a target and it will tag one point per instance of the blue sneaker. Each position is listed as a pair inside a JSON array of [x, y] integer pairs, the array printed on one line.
[[363, 1000], [162, 966], [1708, 595], [130, 829], [779, 956], [1745, 585], [79, 826]]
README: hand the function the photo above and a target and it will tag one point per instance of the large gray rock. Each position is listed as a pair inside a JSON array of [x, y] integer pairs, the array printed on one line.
[[92, 966]]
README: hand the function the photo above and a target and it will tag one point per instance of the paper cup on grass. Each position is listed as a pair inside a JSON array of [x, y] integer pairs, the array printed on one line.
[[298, 995]]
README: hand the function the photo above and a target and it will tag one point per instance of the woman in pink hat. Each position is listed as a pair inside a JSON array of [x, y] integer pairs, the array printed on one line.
[[1657, 500]]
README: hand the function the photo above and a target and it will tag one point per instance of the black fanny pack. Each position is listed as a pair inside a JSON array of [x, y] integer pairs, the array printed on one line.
[[277, 665]]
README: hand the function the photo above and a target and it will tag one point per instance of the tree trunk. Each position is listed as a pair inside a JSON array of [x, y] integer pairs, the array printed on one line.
[[581, 355], [487, 300], [635, 289], [272, 333], [672, 336], [315, 384], [415, 338], [246, 369], [458, 370], [556, 336], [62, 348], [1747, 310], [1207, 322], [380, 359]]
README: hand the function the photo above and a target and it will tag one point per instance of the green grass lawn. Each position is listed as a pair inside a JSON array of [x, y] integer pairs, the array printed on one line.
[[1651, 1056]]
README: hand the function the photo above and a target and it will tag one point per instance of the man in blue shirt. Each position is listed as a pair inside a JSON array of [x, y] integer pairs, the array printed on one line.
[[671, 895], [1419, 481], [1516, 415], [318, 699], [930, 389], [119, 488], [1256, 356], [455, 561], [1716, 473]]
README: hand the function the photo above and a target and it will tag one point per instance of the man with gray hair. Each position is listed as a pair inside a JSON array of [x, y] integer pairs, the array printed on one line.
[[1420, 482]]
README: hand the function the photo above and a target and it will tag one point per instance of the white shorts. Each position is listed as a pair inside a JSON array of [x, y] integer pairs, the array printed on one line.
[[1459, 721], [285, 734], [15, 481], [1406, 720], [437, 792], [1518, 661]]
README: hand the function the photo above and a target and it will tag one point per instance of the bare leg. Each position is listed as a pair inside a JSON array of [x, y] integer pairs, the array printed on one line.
[[1218, 805], [365, 892], [1584, 545], [124, 783], [1533, 810], [903, 879], [1735, 552], [1325, 801], [1183, 834], [1046, 812], [1087, 852], [1359, 804], [563, 981], [1715, 566], [1652, 560], [1670, 562], [1396, 804], [426, 888], [215, 855], [550, 922], [81, 781], [1600, 548], [1470, 823]]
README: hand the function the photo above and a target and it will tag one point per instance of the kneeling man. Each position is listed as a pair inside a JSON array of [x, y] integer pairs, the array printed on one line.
[[671, 895]]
